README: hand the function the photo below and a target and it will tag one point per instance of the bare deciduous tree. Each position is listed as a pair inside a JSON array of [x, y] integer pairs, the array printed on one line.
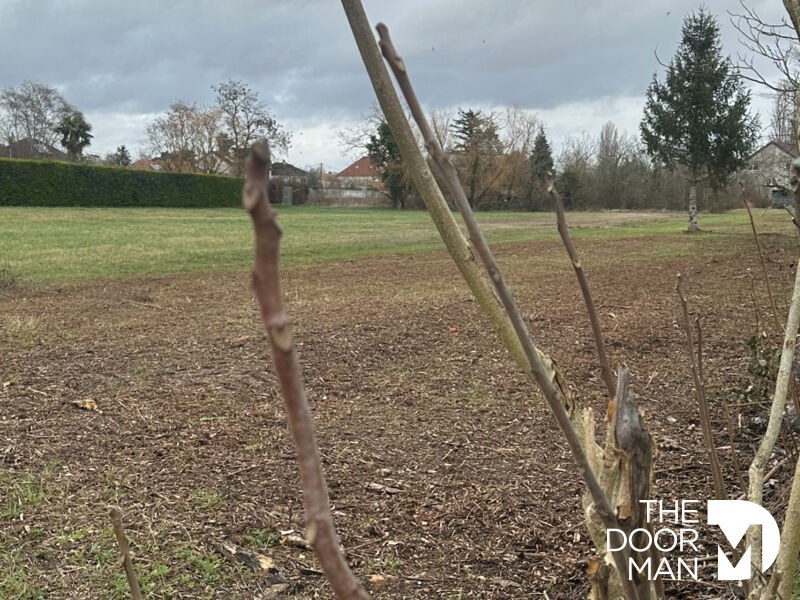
[[188, 138], [169, 137], [774, 42], [32, 110], [777, 44], [247, 119]]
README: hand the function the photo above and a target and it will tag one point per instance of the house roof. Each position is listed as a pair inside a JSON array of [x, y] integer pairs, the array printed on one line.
[[786, 147], [361, 168], [31, 149], [283, 169], [144, 164]]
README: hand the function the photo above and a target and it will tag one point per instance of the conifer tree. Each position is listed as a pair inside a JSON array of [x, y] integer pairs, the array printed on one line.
[[698, 118]]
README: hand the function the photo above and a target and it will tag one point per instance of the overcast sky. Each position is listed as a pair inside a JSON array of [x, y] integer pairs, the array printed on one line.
[[574, 63]]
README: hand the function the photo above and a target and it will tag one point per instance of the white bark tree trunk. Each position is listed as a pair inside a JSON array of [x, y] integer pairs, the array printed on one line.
[[692, 208]]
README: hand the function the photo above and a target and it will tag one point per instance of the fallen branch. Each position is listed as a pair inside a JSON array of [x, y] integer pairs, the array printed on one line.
[[125, 551], [558, 399], [266, 287]]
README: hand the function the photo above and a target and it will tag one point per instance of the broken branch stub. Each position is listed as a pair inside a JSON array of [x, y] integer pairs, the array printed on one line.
[[266, 287]]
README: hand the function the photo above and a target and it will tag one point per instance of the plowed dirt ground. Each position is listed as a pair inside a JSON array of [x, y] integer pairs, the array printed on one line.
[[476, 494]]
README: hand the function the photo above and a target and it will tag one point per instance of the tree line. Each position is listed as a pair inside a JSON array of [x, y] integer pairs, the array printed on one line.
[[214, 139], [187, 138], [39, 112], [697, 132]]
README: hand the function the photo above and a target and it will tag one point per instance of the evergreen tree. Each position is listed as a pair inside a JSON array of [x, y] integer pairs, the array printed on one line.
[[120, 158], [477, 143], [542, 164], [541, 167], [698, 118], [385, 156]]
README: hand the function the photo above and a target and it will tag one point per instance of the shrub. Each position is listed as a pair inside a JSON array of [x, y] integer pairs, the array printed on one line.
[[50, 183]]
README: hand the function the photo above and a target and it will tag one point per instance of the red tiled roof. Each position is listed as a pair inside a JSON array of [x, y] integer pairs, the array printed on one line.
[[361, 168], [143, 164]]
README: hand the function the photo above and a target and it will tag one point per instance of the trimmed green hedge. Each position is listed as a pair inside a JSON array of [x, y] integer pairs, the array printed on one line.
[[51, 183]]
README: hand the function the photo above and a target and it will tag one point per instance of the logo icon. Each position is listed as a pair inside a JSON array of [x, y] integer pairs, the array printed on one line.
[[734, 517]]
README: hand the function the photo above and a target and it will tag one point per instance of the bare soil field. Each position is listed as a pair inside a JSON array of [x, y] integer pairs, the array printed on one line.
[[448, 477]]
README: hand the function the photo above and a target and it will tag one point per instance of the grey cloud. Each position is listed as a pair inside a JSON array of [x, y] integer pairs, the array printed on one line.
[[117, 57]]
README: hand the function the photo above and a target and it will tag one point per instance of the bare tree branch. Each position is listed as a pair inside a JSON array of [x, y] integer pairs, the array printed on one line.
[[775, 42], [700, 393], [543, 373], [266, 287], [772, 305], [125, 551], [597, 334], [441, 215]]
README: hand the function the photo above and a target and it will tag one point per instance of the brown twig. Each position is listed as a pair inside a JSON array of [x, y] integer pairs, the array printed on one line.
[[755, 304], [700, 394], [597, 334], [773, 307], [794, 395], [266, 287], [698, 330], [424, 180], [543, 374], [124, 550], [769, 474]]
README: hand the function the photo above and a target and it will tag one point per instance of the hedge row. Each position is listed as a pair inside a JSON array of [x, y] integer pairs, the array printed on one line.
[[50, 183]]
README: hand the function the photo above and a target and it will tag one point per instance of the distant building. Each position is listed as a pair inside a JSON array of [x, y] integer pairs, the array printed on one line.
[[31, 149], [328, 180], [291, 181], [771, 167], [772, 164], [357, 185], [288, 172], [360, 175], [145, 164]]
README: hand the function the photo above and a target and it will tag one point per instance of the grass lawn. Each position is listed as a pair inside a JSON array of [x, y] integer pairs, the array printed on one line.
[[51, 245]]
